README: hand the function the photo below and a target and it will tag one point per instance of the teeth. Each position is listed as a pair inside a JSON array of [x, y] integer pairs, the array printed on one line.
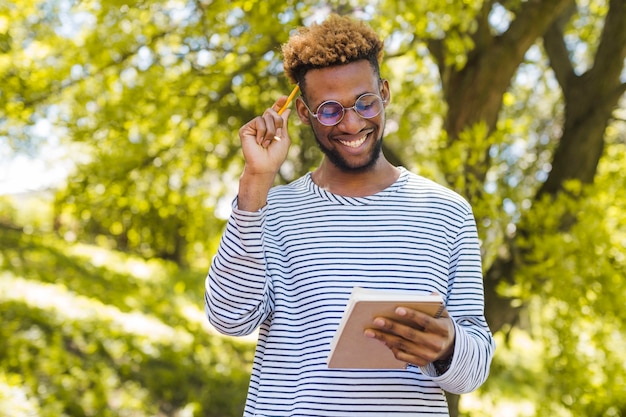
[[354, 143]]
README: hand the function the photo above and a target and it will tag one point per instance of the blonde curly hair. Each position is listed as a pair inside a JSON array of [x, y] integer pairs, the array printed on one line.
[[338, 40]]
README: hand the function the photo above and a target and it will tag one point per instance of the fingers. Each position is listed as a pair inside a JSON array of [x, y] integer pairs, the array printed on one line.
[[268, 127], [413, 336], [418, 320]]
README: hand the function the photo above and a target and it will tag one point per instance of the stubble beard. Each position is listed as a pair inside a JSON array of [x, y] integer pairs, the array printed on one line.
[[340, 162]]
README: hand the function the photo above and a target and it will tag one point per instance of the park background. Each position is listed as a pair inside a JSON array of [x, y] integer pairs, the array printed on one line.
[[119, 158]]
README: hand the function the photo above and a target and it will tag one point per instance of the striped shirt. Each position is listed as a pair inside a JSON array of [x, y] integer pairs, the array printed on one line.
[[288, 271]]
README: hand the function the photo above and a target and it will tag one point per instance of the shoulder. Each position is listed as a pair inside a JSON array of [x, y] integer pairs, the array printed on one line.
[[422, 188]]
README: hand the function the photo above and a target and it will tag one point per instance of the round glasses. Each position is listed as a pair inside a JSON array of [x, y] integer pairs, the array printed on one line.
[[331, 112]]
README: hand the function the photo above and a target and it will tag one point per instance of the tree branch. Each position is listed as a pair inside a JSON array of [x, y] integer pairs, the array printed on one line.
[[590, 100], [483, 35], [557, 51], [612, 48], [532, 20]]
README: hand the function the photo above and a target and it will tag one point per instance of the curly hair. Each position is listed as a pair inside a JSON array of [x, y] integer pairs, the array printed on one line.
[[338, 40]]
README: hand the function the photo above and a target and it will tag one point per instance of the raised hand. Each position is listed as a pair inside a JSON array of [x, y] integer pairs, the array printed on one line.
[[265, 143], [264, 154]]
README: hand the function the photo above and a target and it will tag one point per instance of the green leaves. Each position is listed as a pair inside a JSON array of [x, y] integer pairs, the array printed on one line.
[[89, 332], [148, 98]]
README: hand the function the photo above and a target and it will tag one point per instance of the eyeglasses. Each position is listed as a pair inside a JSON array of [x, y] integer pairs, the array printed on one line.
[[331, 112]]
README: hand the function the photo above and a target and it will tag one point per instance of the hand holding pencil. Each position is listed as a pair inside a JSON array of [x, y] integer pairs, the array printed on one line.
[[265, 145], [265, 139]]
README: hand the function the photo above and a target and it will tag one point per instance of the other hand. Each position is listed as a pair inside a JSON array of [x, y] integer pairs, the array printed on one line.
[[415, 337]]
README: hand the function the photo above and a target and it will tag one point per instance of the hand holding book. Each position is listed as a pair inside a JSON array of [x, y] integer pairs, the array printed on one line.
[[388, 329], [415, 337]]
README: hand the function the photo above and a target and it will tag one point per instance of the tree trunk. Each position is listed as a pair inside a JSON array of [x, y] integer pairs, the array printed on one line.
[[474, 95], [453, 404], [590, 100]]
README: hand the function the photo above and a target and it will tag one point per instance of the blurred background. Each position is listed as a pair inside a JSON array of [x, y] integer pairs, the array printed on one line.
[[119, 158]]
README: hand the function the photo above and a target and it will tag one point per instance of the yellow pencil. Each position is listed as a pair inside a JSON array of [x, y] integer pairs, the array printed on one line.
[[287, 103], [289, 99]]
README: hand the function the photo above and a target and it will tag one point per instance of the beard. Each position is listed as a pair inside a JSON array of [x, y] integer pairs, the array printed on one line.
[[340, 162]]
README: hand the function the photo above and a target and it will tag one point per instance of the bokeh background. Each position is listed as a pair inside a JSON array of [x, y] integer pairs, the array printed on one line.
[[119, 158]]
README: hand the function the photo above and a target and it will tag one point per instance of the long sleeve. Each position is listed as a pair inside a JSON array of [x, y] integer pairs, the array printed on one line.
[[474, 345], [237, 292], [289, 269]]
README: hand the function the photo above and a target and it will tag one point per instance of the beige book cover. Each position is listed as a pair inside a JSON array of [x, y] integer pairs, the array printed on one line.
[[351, 349]]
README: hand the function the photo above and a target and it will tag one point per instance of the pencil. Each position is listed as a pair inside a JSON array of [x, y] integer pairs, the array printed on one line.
[[289, 99], [287, 103]]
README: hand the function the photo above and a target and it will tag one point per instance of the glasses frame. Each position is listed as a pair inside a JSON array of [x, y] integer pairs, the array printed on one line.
[[345, 109]]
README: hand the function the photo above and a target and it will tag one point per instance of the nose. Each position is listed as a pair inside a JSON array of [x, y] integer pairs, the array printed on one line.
[[351, 122]]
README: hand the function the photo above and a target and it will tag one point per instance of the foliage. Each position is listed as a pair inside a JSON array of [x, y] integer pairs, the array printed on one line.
[[88, 332], [485, 96], [586, 355]]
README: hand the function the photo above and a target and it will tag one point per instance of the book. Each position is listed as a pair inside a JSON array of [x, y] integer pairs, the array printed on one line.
[[351, 349]]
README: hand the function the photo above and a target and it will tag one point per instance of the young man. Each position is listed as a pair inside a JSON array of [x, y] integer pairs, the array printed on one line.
[[290, 255]]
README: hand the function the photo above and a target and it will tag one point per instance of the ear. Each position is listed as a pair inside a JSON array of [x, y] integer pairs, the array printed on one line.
[[303, 112], [385, 92]]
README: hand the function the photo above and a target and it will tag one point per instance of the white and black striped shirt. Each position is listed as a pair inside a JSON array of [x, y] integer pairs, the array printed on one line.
[[289, 269]]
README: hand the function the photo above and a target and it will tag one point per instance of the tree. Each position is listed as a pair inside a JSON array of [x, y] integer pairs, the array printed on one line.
[[514, 104], [474, 91]]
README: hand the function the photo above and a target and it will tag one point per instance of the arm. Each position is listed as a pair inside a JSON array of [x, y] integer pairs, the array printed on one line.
[[238, 295], [474, 345], [461, 336]]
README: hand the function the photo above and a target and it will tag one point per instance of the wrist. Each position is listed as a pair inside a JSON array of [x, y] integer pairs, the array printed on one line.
[[442, 365], [253, 190]]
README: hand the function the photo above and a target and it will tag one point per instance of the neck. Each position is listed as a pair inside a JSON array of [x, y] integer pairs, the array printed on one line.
[[355, 184]]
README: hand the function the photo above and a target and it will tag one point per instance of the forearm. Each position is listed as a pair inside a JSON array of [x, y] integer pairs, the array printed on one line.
[[237, 295]]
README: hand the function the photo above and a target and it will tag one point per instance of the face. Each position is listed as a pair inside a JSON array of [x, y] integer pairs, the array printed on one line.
[[354, 144]]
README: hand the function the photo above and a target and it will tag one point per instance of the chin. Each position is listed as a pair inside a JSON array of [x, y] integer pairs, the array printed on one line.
[[344, 165]]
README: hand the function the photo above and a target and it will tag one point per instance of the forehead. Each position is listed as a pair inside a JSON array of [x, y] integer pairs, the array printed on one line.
[[343, 83]]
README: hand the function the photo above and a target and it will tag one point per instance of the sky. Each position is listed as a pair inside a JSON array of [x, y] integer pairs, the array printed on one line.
[[45, 167]]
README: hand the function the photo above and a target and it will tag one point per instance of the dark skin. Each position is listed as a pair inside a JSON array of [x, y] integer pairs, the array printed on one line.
[[424, 341], [364, 171]]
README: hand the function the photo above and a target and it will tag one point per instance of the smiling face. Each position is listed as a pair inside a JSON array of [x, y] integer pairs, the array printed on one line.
[[354, 144]]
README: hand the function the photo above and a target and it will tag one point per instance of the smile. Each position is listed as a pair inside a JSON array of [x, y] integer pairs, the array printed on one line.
[[354, 143]]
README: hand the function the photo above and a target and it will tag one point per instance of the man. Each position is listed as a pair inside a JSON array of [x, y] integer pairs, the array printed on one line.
[[290, 255]]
